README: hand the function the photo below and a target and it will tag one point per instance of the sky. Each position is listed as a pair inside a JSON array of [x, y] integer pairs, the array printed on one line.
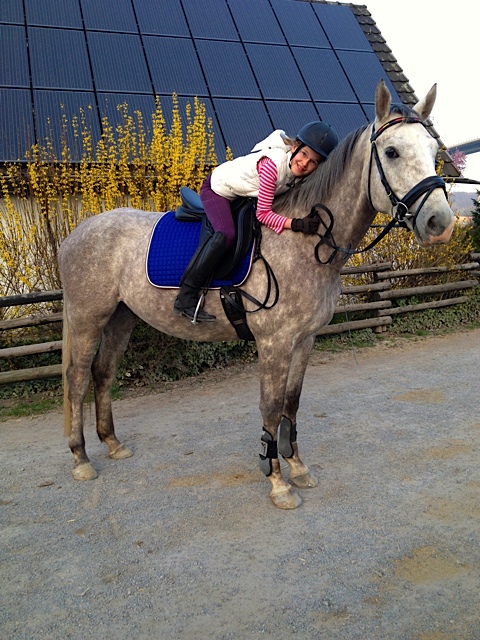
[[433, 44]]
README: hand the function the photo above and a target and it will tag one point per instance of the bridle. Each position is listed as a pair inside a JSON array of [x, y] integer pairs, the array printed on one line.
[[400, 207]]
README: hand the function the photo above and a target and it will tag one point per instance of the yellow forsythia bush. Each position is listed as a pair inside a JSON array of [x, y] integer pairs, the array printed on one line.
[[401, 248], [135, 165]]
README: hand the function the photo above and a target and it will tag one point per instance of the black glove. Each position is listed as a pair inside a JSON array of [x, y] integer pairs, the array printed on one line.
[[308, 225]]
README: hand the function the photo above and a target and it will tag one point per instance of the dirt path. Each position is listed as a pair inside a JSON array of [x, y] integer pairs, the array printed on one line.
[[181, 540]]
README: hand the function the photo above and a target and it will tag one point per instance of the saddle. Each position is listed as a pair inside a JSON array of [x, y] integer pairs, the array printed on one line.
[[245, 221]]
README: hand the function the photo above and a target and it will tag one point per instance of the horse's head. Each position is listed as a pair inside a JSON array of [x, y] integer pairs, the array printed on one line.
[[402, 179]]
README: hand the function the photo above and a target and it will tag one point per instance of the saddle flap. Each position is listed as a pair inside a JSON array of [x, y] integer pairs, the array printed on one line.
[[186, 215]]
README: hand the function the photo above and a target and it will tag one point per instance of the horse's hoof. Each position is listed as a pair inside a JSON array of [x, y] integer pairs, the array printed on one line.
[[304, 480], [286, 499], [85, 471], [120, 453]]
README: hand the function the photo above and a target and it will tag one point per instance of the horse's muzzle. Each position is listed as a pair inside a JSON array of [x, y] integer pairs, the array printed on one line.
[[444, 237]]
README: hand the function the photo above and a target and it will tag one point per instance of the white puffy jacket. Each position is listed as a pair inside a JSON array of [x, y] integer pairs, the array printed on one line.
[[239, 177]]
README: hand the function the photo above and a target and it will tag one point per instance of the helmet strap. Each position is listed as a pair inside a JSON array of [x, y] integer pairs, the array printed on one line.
[[300, 146]]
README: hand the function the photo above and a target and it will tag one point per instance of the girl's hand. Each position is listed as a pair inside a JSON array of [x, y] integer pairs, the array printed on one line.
[[306, 225]]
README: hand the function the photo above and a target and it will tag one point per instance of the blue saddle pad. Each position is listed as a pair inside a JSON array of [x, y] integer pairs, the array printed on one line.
[[172, 245]]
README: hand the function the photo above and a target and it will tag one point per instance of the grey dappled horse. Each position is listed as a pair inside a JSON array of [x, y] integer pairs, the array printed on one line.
[[102, 264]]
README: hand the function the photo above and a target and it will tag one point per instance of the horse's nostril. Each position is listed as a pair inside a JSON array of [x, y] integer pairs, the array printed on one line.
[[432, 225], [439, 229]]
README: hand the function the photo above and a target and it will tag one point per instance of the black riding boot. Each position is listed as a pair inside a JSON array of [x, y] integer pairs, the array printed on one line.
[[197, 275]]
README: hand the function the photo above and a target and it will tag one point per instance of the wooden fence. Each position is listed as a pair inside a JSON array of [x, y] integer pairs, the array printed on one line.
[[378, 308]]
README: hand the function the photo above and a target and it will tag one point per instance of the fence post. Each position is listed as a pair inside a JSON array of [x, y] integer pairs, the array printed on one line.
[[375, 297]]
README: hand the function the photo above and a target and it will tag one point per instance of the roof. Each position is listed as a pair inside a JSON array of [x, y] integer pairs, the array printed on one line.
[[297, 61]]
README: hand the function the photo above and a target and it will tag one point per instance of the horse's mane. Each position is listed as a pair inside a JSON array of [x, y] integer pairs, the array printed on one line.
[[318, 185]]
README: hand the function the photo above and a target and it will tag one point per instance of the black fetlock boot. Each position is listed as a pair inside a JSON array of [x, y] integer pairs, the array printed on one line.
[[197, 275]]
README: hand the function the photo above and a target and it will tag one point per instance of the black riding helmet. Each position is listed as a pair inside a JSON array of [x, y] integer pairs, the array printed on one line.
[[319, 136]]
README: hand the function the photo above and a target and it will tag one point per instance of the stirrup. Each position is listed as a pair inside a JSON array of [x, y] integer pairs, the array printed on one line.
[[194, 313], [200, 315]]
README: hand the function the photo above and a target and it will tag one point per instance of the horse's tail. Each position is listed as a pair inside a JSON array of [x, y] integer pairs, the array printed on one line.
[[66, 358]]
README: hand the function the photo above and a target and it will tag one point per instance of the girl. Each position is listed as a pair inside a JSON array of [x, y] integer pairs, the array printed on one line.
[[274, 165]]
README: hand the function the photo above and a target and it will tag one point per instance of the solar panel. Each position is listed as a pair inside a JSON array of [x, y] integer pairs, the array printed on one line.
[[364, 71], [16, 123], [300, 24], [227, 69], [323, 74], [341, 27], [107, 17], [11, 12], [174, 66], [276, 72], [244, 122], [263, 28], [370, 111], [52, 106], [118, 62], [210, 19], [54, 13], [163, 18], [290, 116], [111, 106], [344, 118], [13, 55], [59, 59]]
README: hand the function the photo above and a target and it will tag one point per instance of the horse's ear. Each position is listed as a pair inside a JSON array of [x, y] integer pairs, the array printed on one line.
[[424, 107], [383, 100]]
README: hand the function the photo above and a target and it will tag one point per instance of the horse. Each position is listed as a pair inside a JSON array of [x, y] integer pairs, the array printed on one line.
[[105, 288]]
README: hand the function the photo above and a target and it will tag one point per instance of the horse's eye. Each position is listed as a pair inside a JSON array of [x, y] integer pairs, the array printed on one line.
[[391, 153]]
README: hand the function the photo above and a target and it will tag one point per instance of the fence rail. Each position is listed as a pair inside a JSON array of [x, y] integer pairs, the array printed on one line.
[[380, 294]]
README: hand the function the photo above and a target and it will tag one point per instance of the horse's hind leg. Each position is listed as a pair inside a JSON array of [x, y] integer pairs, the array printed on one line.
[[79, 344], [114, 341], [300, 475]]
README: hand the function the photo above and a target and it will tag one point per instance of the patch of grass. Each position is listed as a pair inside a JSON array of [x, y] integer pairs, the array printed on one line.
[[422, 332], [18, 406], [22, 407]]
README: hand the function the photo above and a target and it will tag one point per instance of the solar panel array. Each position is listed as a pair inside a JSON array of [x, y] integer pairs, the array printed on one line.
[[257, 65]]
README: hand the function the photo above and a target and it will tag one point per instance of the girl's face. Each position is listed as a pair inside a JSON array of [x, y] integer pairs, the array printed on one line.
[[304, 162]]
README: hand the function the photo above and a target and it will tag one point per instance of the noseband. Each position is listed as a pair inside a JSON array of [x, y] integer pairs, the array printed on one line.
[[401, 207]]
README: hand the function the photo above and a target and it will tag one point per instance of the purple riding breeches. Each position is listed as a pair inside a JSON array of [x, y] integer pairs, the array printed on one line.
[[217, 209]]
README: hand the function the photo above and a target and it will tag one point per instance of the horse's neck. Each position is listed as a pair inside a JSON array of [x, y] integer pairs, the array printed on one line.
[[348, 200]]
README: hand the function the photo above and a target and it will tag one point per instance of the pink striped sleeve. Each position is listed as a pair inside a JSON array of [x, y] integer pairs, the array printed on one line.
[[267, 171]]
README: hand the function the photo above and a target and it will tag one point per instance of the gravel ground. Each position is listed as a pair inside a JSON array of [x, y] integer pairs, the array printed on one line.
[[182, 541]]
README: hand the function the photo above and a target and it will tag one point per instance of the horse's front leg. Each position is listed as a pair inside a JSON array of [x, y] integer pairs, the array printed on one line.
[[300, 475], [274, 361]]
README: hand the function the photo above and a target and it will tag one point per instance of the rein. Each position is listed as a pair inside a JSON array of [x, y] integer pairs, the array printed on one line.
[[327, 237], [400, 208]]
